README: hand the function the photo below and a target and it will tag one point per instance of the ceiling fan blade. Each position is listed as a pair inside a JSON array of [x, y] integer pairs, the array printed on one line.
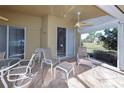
[[3, 18], [77, 25], [81, 22], [86, 24], [82, 25]]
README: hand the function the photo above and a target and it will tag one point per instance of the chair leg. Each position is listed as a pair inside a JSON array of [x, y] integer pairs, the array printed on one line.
[[78, 62], [41, 65], [51, 69], [55, 72], [3, 80], [67, 77], [73, 71]]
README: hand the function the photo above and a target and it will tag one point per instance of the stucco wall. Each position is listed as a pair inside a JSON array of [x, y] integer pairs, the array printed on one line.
[[44, 32], [33, 26], [53, 23], [40, 31]]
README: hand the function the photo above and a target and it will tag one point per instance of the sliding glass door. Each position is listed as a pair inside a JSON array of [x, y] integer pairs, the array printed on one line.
[[3, 41], [70, 42], [61, 42], [12, 41], [16, 42], [65, 42]]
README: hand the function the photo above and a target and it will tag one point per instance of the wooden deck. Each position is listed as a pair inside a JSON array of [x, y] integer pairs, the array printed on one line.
[[101, 76]]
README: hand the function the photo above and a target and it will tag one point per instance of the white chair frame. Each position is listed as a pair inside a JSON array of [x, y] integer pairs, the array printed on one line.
[[83, 54], [48, 59], [65, 70], [27, 74]]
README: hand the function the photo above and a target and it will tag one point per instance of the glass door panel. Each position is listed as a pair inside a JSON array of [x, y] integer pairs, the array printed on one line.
[[61, 42], [3, 41], [16, 42], [70, 39]]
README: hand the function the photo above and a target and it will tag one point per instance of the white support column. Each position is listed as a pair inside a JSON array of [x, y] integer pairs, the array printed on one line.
[[120, 62]]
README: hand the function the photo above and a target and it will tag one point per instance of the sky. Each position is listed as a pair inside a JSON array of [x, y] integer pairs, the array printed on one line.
[[83, 36]]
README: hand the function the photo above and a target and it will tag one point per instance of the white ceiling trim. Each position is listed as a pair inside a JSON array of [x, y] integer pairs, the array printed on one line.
[[113, 11], [100, 23]]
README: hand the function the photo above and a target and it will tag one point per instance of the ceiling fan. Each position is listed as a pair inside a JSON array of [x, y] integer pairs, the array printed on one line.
[[79, 24], [3, 18]]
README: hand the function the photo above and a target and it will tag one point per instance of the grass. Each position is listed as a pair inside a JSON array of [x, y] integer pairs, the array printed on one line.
[[92, 46]]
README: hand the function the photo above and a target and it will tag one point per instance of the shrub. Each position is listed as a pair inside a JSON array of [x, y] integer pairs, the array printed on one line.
[[109, 57]]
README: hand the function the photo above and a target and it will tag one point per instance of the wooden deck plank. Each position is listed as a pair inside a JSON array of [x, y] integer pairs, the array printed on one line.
[[101, 77]]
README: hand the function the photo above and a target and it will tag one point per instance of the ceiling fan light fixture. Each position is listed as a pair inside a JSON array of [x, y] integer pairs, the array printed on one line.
[[78, 13]]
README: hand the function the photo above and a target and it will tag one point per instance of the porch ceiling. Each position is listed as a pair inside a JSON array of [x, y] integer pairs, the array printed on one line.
[[87, 11]]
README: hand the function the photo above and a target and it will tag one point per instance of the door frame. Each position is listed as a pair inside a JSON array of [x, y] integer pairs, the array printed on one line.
[[24, 37], [57, 43], [7, 42], [66, 45]]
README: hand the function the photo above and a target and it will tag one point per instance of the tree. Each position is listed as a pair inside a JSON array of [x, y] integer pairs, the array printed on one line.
[[98, 35], [110, 39], [90, 37]]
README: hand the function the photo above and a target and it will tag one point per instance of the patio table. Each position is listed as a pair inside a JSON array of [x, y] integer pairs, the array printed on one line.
[[6, 64]]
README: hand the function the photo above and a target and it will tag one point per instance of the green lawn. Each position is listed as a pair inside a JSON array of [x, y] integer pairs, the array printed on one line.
[[91, 46]]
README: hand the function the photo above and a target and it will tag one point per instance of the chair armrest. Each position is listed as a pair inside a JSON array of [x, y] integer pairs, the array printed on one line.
[[24, 61], [55, 57], [13, 60], [17, 68], [18, 76], [21, 61], [52, 61]]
